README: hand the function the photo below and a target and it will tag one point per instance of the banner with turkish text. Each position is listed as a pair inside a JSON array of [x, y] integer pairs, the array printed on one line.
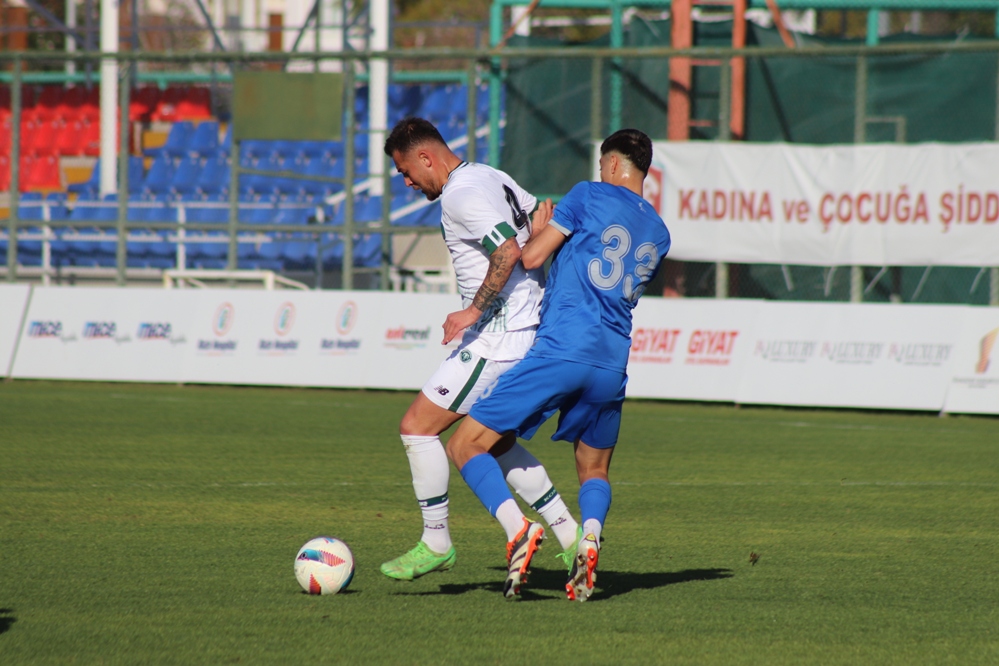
[[872, 204]]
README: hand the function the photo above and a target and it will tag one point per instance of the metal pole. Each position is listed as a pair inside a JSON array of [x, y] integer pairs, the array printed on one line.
[[616, 83], [386, 222], [233, 261], [721, 280], [596, 100], [495, 81], [108, 96], [348, 176], [470, 109], [15, 170], [121, 253], [724, 134], [859, 135]]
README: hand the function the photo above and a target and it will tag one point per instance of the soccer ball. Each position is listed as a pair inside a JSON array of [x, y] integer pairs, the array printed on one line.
[[324, 565]]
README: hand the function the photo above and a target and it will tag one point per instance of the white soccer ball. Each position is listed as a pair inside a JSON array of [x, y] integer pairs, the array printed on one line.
[[324, 565]]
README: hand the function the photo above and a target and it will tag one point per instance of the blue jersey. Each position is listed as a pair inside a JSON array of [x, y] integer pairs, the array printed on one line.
[[615, 242]]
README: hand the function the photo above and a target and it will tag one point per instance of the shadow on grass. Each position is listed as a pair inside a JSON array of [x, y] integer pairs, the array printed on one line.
[[609, 583], [6, 619]]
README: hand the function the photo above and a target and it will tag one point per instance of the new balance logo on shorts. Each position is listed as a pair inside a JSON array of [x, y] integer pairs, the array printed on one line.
[[441, 390]]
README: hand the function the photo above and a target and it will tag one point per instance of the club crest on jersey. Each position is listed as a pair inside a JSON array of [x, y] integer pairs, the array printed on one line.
[[465, 356]]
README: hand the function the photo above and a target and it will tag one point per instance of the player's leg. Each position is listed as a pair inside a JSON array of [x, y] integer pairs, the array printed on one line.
[[428, 464], [592, 466], [469, 448], [594, 422], [528, 477]]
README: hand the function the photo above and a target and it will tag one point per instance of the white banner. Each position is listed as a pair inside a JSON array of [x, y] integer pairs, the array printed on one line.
[[105, 334], [874, 205], [810, 354], [975, 384], [333, 338], [690, 349], [843, 355], [13, 300]]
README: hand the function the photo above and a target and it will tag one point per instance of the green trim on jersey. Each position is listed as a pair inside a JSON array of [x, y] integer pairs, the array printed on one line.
[[500, 234], [467, 388]]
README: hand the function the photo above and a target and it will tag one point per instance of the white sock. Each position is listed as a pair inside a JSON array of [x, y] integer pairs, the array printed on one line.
[[592, 526], [510, 517], [529, 479], [431, 473]]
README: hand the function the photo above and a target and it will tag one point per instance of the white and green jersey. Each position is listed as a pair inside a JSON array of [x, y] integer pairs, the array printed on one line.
[[482, 207]]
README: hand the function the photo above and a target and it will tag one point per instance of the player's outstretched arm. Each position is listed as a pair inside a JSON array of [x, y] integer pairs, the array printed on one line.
[[501, 264], [541, 246]]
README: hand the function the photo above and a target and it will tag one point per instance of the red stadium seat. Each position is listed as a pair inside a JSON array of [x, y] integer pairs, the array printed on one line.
[[90, 107], [29, 128], [4, 171], [40, 173], [69, 138], [5, 136], [90, 142], [195, 104], [143, 102], [44, 142]]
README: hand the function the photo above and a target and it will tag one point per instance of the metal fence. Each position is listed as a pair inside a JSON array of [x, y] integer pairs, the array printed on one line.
[[487, 67]]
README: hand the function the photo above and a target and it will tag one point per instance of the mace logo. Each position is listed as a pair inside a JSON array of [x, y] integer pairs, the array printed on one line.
[[284, 319], [94, 330], [346, 318], [45, 329], [225, 316], [985, 348], [154, 331]]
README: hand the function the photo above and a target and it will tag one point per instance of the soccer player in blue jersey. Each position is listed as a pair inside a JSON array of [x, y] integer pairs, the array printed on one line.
[[609, 243]]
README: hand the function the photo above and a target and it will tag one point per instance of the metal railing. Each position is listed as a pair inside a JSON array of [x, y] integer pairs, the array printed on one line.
[[481, 65]]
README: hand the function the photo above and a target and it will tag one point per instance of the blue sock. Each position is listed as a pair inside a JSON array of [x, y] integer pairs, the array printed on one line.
[[484, 476], [594, 500]]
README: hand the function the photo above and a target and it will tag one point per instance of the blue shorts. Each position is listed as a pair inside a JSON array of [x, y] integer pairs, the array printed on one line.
[[588, 398]]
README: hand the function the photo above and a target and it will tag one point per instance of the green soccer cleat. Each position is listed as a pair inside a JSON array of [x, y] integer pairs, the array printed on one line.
[[568, 556], [417, 562]]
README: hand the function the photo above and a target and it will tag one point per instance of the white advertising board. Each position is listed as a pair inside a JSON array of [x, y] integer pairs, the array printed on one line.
[[846, 355], [689, 349], [346, 339], [974, 387], [874, 205], [13, 300], [105, 334]]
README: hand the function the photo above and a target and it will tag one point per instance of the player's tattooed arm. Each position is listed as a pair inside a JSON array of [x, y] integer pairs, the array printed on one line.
[[501, 264]]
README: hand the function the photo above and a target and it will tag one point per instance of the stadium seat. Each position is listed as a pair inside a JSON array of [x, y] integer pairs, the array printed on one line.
[[100, 211], [160, 175], [178, 141], [41, 172], [187, 175], [143, 102], [91, 140], [205, 140], [194, 103], [68, 137], [215, 176], [226, 145]]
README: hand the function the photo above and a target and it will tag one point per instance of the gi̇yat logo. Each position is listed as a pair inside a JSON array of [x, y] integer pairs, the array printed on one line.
[[653, 345]]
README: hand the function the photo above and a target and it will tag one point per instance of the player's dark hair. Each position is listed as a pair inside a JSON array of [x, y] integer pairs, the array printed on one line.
[[634, 144], [411, 132]]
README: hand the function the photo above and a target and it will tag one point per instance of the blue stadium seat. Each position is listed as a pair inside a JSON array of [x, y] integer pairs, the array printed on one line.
[[93, 184], [100, 211], [215, 175], [178, 143], [187, 175], [368, 250], [256, 213], [368, 209], [226, 145], [293, 215], [427, 216], [160, 175], [205, 140]]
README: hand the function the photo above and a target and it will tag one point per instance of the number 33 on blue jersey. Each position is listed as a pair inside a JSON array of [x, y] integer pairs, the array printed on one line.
[[610, 272]]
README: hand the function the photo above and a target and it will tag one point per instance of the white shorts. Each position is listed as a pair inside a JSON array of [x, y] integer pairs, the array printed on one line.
[[462, 378]]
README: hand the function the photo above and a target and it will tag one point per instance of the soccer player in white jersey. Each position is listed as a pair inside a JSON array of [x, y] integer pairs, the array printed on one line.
[[484, 220]]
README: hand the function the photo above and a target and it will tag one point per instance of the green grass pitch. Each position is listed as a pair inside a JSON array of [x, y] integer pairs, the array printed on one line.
[[158, 524]]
